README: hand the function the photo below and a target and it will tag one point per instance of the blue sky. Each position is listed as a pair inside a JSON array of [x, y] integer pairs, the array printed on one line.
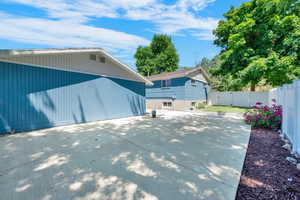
[[119, 26]]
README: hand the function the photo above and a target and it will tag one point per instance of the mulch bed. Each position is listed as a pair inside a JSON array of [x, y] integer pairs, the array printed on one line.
[[266, 173]]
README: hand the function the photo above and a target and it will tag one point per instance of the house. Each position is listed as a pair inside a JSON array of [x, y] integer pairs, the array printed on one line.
[[179, 90], [52, 87]]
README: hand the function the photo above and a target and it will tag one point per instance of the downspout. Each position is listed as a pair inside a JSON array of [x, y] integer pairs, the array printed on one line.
[[206, 95]]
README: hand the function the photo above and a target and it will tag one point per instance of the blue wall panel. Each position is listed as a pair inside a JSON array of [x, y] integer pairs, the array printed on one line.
[[181, 89], [177, 89], [33, 98], [195, 91]]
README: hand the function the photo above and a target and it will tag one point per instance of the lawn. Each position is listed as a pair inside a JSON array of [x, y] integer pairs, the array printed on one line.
[[225, 109]]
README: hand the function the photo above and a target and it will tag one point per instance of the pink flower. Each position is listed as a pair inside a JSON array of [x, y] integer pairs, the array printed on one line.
[[266, 108], [258, 117], [259, 103], [267, 117], [274, 100], [277, 114], [248, 118], [254, 107]]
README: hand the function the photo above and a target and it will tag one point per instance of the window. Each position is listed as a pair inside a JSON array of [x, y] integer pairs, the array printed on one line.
[[102, 59], [193, 82], [167, 104], [165, 83], [93, 57]]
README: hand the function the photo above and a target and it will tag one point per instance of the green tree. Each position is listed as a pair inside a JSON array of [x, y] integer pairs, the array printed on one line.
[[260, 42], [160, 56], [207, 64]]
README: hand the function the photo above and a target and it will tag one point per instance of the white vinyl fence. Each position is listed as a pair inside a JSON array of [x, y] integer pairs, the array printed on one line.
[[289, 97], [242, 99]]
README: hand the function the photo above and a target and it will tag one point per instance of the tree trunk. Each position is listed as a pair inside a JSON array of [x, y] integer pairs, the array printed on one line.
[[252, 89]]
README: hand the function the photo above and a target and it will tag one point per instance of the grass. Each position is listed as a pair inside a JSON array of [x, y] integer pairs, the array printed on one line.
[[225, 109]]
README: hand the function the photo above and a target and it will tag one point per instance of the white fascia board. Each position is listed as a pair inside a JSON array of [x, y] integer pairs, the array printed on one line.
[[47, 51], [60, 69], [127, 68], [74, 50]]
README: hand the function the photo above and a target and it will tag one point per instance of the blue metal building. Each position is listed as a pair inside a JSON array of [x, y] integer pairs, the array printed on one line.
[[54, 87], [179, 90]]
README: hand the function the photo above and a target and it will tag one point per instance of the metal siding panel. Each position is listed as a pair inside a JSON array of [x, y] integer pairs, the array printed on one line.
[[33, 98], [195, 91], [176, 90]]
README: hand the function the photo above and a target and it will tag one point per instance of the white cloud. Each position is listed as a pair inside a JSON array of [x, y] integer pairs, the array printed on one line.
[[83, 9], [175, 18], [204, 35], [65, 33], [174, 23], [72, 9], [194, 4], [127, 4], [66, 24], [170, 19]]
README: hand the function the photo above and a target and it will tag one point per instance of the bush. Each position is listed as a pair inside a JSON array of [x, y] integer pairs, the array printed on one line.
[[200, 106], [264, 116]]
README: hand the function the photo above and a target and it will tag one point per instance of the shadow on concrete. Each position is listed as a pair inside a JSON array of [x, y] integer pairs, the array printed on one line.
[[175, 156]]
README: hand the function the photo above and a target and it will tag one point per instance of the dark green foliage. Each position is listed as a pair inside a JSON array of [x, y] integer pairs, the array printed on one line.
[[160, 56], [260, 42], [218, 82], [208, 64], [200, 106]]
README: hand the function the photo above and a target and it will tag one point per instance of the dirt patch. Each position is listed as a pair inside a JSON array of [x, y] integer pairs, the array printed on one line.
[[266, 173]]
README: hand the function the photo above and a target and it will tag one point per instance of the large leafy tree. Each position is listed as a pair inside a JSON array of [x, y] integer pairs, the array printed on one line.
[[218, 82], [160, 56], [207, 64], [260, 43]]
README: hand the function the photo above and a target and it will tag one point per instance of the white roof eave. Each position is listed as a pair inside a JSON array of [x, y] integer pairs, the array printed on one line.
[[127, 68], [46, 51], [74, 50]]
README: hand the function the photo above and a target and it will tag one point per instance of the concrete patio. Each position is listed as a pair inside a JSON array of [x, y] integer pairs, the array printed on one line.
[[179, 155]]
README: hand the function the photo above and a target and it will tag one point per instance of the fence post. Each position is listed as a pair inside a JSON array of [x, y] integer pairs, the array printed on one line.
[[284, 110], [296, 138]]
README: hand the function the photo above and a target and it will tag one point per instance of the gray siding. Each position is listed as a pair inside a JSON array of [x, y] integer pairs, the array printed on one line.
[[77, 62]]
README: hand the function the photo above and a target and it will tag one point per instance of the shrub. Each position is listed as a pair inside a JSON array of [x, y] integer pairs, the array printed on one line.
[[200, 106], [264, 116]]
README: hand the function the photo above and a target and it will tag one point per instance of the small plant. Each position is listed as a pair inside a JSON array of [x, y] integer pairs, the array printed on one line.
[[200, 106], [264, 116], [153, 113]]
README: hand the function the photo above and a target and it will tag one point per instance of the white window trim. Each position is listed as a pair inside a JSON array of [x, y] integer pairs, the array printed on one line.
[[168, 83], [167, 102], [193, 82]]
